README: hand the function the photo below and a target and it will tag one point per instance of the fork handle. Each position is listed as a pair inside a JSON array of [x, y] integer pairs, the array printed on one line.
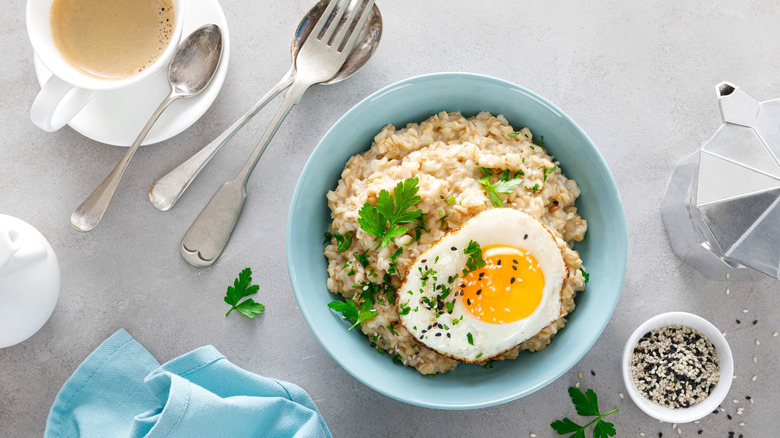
[[209, 234], [167, 190]]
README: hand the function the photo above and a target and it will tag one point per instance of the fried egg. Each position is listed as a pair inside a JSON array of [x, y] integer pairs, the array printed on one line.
[[470, 310]]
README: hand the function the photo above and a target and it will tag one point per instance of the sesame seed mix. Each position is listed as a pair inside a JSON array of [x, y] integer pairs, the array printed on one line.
[[675, 366]]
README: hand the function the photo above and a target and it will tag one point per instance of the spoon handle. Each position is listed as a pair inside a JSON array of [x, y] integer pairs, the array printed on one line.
[[166, 191], [87, 215], [209, 234]]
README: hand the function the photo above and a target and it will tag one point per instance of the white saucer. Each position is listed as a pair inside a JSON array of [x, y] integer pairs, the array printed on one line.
[[117, 117]]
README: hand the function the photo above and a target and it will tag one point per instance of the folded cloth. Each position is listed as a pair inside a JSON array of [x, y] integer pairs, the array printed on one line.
[[120, 390]]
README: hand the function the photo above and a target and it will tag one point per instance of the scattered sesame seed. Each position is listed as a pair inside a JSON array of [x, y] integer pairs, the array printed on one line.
[[621, 395], [754, 378], [736, 401], [742, 425], [755, 321], [533, 435], [755, 359], [679, 432], [744, 310], [592, 373], [774, 334], [577, 385], [642, 434], [727, 291], [758, 342]]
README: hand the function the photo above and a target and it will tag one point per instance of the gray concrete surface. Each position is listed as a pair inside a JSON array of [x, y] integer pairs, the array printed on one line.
[[637, 76]]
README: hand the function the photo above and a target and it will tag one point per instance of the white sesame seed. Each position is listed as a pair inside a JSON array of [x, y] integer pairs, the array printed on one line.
[[642, 434], [506, 309], [727, 291], [722, 410], [679, 432], [621, 396], [755, 359], [724, 334], [744, 310], [696, 422], [533, 435], [774, 334], [727, 276], [742, 424], [674, 425], [751, 400], [577, 385], [736, 401], [754, 378]]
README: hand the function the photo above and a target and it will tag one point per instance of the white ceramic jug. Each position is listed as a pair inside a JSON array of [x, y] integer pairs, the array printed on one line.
[[29, 280]]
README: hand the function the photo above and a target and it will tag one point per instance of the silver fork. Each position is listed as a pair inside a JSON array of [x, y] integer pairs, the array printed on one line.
[[319, 59]]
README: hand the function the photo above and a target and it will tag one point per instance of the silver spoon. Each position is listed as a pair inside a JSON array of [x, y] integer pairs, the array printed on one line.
[[167, 190], [190, 72]]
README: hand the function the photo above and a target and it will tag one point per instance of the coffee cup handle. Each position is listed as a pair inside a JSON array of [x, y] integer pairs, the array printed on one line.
[[57, 103]]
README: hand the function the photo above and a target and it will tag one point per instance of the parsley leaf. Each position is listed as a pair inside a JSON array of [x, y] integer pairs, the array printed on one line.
[[349, 310], [475, 260], [585, 274], [382, 220], [502, 186], [513, 135], [470, 338], [587, 406], [243, 287]]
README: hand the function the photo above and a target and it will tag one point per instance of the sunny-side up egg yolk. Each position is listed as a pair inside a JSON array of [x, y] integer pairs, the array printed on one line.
[[508, 288]]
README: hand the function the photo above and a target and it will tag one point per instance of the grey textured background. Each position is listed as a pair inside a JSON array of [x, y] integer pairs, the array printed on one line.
[[638, 77]]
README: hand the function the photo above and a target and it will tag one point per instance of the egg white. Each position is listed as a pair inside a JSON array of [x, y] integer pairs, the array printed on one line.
[[448, 334]]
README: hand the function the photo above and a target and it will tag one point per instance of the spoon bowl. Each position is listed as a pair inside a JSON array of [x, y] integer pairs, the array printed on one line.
[[195, 63]]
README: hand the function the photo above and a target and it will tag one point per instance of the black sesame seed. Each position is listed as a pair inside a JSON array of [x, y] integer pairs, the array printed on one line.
[[755, 322], [479, 292], [728, 416], [739, 322], [715, 411], [438, 333], [454, 249], [747, 397], [499, 262], [468, 302], [449, 335], [512, 281], [592, 373], [514, 261], [424, 261], [514, 267], [700, 431], [525, 237]]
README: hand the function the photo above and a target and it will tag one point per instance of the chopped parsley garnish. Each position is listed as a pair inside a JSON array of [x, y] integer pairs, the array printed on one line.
[[420, 228], [393, 269], [501, 186], [243, 287], [392, 330], [349, 310], [587, 406], [513, 135], [479, 355], [585, 274], [470, 338], [488, 365], [383, 219], [451, 200], [362, 258], [541, 142], [397, 359], [450, 305], [405, 309], [534, 188], [344, 241], [475, 260]]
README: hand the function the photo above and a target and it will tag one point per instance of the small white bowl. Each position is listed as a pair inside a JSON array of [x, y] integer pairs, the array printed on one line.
[[725, 359]]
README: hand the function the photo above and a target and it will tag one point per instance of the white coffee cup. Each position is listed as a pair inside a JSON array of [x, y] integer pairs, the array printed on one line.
[[70, 89]]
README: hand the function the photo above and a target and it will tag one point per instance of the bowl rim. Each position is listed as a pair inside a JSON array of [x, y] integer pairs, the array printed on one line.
[[725, 361], [610, 189]]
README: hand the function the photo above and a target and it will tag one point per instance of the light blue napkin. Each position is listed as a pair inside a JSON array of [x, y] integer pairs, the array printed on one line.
[[120, 390]]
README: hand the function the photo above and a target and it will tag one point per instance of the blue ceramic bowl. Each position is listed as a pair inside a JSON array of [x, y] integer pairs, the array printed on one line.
[[603, 250]]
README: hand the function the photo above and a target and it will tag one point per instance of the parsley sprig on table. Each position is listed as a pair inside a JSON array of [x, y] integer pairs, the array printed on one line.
[[504, 185], [383, 219], [587, 406], [243, 287]]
